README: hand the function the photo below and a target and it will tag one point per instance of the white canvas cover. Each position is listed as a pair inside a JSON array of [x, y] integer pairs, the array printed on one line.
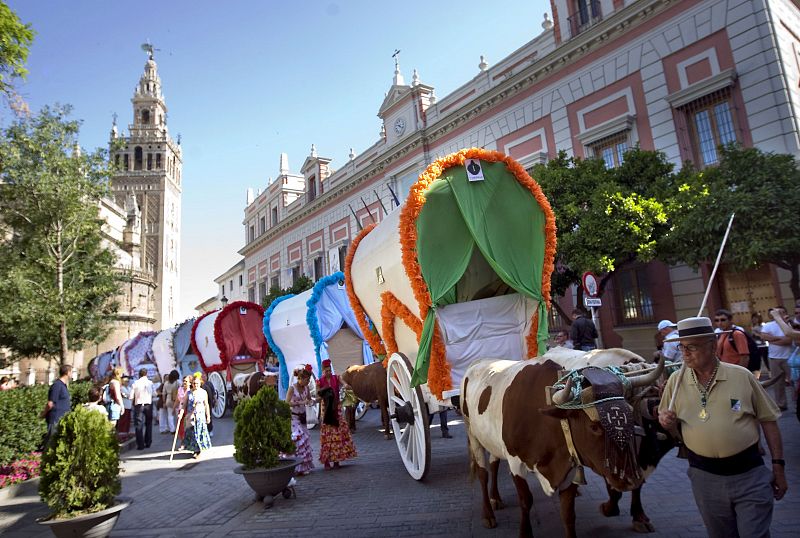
[[204, 340], [379, 251], [488, 328], [163, 354], [289, 331]]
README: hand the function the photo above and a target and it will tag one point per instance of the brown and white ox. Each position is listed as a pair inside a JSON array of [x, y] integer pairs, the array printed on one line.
[[246, 385], [369, 384], [506, 412]]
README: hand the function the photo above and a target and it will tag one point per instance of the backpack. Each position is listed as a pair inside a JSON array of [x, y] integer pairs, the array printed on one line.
[[752, 349], [106, 394]]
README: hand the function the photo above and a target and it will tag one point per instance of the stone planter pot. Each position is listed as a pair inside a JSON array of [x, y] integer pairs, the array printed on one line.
[[267, 483], [95, 525]]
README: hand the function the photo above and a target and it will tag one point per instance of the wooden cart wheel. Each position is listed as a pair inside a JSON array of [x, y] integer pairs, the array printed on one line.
[[361, 409], [408, 412], [219, 385]]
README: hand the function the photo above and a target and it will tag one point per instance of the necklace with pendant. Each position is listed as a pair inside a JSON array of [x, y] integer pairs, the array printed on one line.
[[704, 390]]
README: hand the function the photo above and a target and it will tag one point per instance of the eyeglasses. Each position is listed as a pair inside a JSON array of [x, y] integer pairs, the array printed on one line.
[[720, 319], [691, 348]]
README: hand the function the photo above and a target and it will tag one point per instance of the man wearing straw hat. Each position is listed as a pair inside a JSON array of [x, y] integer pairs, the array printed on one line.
[[718, 408]]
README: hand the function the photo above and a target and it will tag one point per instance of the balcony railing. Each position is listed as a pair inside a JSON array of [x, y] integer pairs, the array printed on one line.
[[587, 14]]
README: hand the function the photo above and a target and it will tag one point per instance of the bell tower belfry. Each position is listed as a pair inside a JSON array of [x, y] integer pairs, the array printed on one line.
[[148, 165]]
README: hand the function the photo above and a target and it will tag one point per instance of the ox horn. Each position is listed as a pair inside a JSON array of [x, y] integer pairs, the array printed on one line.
[[650, 377], [766, 383], [564, 395]]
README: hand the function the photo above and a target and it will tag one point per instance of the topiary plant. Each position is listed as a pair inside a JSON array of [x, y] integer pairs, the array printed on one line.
[[263, 430], [80, 467]]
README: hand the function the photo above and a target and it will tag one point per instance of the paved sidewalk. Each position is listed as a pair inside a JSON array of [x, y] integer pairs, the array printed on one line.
[[372, 496]]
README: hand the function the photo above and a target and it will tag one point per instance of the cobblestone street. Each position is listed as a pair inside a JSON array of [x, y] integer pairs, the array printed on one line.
[[373, 496]]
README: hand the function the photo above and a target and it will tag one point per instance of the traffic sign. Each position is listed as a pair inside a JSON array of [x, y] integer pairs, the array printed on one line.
[[590, 284], [593, 301]]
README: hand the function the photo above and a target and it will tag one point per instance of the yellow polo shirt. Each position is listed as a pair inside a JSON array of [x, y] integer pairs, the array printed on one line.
[[736, 404]]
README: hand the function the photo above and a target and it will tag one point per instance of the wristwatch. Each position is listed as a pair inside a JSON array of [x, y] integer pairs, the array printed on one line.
[[779, 462]]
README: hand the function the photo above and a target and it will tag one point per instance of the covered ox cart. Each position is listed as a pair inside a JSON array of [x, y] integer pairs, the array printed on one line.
[[315, 325], [172, 350], [137, 353], [101, 367], [461, 272], [228, 342]]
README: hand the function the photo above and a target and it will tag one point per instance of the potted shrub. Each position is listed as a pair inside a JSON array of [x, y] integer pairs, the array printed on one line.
[[263, 433], [80, 476]]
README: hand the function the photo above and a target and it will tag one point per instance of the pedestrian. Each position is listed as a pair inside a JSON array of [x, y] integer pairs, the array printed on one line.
[[186, 385], [756, 323], [563, 340], [298, 397], [113, 397], [95, 395], [731, 342], [718, 410], [142, 397], [212, 400], [669, 350], [5, 383], [583, 332], [125, 420], [780, 349], [197, 417], [169, 392], [442, 422], [58, 401], [335, 441]]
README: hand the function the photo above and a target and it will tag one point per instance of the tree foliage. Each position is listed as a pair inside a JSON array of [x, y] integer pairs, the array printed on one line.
[[15, 42], [57, 279], [763, 189], [606, 218], [263, 430], [80, 467], [302, 284]]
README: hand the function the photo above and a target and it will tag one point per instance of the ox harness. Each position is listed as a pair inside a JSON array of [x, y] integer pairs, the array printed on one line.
[[605, 404]]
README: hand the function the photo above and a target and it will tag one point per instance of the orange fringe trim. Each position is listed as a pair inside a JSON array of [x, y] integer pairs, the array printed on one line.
[[439, 370], [361, 316], [391, 309]]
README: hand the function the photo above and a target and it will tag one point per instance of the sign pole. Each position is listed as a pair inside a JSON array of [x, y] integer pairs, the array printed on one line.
[[702, 307], [596, 321]]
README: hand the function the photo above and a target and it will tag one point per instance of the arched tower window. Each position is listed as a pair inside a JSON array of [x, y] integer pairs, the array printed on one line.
[[145, 116], [137, 158], [149, 161], [158, 161]]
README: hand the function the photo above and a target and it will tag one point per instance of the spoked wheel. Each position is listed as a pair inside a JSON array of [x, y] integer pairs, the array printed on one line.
[[409, 415], [219, 385], [361, 409]]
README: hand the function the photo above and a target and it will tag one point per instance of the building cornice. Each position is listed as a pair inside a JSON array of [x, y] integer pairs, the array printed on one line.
[[615, 26]]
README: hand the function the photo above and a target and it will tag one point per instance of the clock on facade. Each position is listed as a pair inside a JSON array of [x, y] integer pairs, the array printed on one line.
[[399, 125]]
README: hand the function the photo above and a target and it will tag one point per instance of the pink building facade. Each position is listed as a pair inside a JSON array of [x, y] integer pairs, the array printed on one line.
[[678, 76]]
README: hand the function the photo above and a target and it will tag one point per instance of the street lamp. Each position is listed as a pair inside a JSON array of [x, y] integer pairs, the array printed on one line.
[[224, 301]]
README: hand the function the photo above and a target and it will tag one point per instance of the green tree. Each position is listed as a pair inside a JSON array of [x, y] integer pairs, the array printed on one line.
[[302, 284], [15, 42], [57, 278], [606, 218], [763, 189]]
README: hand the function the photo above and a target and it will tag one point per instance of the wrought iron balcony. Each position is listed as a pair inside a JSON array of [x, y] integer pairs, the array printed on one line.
[[586, 15]]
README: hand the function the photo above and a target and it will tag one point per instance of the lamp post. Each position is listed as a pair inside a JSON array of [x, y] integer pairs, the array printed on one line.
[[224, 301]]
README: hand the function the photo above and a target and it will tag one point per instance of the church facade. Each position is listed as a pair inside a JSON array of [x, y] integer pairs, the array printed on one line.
[[678, 76]]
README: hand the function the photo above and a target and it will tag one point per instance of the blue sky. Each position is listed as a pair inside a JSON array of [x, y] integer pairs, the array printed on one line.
[[247, 80]]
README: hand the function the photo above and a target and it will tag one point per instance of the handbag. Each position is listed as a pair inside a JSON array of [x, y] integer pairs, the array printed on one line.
[[311, 416]]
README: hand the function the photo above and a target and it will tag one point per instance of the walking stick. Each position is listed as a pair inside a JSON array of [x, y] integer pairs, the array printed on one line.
[[702, 307], [175, 437]]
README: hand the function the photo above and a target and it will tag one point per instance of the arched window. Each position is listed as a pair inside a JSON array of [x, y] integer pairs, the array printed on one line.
[[149, 161], [145, 116], [137, 158], [158, 161]]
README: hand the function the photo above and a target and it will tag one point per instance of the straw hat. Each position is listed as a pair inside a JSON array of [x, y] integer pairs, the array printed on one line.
[[694, 327]]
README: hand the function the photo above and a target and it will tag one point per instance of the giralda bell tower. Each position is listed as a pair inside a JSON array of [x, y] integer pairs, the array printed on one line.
[[149, 165]]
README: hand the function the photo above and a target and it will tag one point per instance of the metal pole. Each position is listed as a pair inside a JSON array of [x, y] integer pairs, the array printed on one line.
[[596, 322], [703, 306]]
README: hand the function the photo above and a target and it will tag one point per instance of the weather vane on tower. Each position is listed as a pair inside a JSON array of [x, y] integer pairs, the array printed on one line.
[[396, 57], [149, 49]]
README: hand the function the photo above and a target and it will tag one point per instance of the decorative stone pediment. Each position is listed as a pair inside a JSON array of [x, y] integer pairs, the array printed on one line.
[[395, 95]]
